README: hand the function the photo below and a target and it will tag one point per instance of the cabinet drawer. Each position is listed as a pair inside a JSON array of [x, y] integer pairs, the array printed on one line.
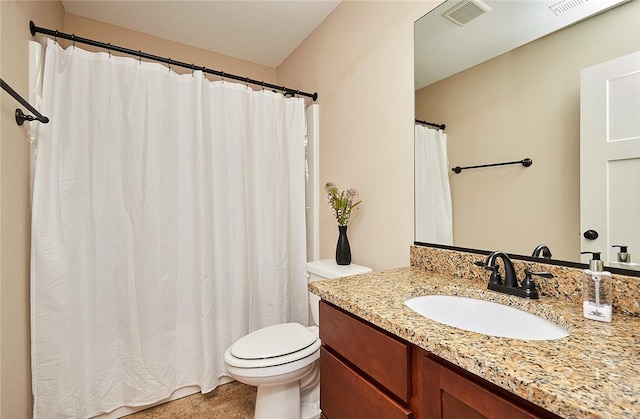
[[382, 357], [345, 394]]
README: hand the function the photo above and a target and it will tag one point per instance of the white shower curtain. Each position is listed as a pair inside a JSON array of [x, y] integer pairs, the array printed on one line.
[[433, 215], [168, 221]]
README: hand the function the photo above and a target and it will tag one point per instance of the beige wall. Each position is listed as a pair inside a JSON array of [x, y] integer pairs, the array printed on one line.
[[15, 375], [525, 103], [360, 61]]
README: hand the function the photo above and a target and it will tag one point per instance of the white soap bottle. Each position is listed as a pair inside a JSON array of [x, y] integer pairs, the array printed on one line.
[[597, 290]]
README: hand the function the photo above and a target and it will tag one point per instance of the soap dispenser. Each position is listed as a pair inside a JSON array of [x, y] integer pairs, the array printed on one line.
[[597, 290], [623, 255]]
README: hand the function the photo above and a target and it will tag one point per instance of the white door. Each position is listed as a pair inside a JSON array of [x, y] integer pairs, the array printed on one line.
[[610, 158]]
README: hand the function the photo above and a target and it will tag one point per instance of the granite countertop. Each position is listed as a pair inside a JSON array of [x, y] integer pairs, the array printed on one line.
[[594, 372]]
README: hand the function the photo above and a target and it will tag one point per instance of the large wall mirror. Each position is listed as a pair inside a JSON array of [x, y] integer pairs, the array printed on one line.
[[506, 84]]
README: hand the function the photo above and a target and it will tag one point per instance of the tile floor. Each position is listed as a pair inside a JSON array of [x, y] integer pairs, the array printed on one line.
[[229, 401]]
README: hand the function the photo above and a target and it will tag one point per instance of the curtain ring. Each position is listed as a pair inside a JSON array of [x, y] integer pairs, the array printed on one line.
[[222, 76], [140, 57], [246, 81], [55, 37], [169, 64], [109, 50], [193, 69], [262, 84], [73, 39]]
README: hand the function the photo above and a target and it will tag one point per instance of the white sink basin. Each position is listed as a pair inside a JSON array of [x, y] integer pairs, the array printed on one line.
[[485, 317]]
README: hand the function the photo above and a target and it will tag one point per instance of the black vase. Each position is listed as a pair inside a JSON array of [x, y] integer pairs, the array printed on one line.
[[343, 251]]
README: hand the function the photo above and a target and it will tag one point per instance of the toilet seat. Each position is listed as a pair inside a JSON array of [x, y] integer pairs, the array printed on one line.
[[273, 345]]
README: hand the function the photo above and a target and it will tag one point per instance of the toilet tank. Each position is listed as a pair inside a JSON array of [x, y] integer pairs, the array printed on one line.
[[319, 270]]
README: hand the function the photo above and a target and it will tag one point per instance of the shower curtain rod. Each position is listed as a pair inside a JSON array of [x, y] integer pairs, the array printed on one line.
[[433, 124], [20, 116], [287, 91]]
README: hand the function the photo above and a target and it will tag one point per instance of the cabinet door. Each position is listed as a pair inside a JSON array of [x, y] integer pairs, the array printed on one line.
[[346, 394], [382, 357], [448, 395]]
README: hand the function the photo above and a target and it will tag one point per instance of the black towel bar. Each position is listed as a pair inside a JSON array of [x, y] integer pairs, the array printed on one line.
[[525, 162]]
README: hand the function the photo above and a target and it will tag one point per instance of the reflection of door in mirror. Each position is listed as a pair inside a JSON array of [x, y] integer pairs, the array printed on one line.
[[610, 158]]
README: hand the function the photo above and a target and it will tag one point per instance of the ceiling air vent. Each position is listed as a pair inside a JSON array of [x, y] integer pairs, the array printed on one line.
[[565, 6], [464, 12]]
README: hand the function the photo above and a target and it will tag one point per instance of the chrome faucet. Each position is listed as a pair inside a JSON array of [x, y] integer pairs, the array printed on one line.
[[510, 286], [541, 249]]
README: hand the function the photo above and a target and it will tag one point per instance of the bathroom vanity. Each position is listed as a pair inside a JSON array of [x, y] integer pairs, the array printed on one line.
[[381, 359], [387, 377]]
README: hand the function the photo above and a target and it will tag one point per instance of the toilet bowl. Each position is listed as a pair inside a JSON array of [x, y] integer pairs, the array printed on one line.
[[282, 360], [275, 359]]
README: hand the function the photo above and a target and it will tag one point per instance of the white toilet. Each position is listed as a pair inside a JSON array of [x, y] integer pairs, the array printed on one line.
[[282, 360]]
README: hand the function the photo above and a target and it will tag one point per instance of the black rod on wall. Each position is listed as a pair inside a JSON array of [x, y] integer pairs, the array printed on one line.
[[431, 124], [20, 116], [525, 162], [56, 34]]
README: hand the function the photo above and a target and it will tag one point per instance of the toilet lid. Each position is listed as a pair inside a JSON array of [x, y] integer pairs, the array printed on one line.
[[273, 341]]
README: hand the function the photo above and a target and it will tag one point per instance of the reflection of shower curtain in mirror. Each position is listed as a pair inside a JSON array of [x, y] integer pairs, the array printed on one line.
[[433, 219]]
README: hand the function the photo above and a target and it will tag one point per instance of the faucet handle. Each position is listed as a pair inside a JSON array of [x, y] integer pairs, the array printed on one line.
[[528, 283], [528, 272], [495, 277]]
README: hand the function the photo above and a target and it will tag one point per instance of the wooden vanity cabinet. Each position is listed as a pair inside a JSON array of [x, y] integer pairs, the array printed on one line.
[[449, 392], [366, 372]]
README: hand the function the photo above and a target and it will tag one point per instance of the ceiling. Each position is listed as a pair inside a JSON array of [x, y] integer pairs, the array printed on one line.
[[260, 31], [443, 48]]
